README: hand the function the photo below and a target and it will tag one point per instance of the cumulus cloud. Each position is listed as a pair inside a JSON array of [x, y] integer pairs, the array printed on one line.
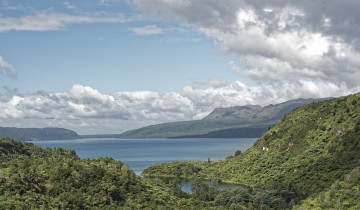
[[147, 30], [276, 40], [87, 110], [7, 68], [50, 20]]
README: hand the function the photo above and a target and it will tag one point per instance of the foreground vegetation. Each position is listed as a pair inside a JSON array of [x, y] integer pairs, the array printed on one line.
[[311, 149], [32, 177]]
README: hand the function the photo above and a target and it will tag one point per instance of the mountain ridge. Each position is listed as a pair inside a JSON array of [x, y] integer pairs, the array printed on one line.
[[221, 120]]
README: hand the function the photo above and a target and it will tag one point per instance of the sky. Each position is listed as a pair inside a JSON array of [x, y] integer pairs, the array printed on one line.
[[108, 66]]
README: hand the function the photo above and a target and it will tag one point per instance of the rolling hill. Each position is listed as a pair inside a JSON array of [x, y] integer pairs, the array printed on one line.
[[36, 178], [232, 122], [27, 134]]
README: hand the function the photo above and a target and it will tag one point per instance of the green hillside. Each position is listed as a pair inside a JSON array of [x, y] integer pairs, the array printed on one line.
[[231, 122], [26, 134], [307, 151]]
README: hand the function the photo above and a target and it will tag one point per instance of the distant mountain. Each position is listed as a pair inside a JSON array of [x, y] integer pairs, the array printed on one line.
[[255, 113], [246, 132], [232, 122], [245, 112], [26, 134]]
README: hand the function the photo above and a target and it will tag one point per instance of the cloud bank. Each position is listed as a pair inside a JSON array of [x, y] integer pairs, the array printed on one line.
[[50, 20], [87, 110]]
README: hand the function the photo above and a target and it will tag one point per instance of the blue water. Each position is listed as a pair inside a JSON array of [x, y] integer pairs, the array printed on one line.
[[139, 154]]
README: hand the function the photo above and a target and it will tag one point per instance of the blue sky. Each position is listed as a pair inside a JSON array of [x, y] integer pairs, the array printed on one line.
[[107, 56], [107, 66]]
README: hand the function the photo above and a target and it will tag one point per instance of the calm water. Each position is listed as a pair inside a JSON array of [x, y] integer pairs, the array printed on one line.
[[186, 185], [139, 154]]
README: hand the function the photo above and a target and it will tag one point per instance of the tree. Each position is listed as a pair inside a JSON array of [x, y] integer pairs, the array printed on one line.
[[176, 185], [202, 190], [238, 152]]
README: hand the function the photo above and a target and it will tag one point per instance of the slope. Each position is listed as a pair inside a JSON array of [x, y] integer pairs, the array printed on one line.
[[344, 193], [310, 149], [36, 178]]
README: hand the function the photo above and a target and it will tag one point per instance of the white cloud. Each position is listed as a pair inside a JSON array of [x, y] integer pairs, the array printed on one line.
[[147, 30], [7, 68], [68, 5], [50, 20], [276, 40], [235, 67]]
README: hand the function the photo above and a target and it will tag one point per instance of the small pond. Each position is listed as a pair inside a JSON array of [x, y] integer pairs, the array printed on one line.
[[186, 184]]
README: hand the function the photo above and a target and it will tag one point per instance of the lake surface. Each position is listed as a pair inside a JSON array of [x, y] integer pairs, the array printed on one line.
[[139, 154]]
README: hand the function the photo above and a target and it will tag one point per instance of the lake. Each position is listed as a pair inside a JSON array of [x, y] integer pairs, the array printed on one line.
[[139, 154]]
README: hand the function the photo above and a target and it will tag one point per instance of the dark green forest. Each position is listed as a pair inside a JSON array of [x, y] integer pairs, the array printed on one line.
[[36, 178]]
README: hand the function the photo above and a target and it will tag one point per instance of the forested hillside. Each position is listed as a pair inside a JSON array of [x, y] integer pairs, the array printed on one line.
[[309, 153], [35, 178]]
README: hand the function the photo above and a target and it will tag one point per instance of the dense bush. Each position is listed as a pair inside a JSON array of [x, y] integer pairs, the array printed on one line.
[[35, 178]]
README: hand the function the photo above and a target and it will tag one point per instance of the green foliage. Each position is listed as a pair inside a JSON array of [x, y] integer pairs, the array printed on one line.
[[35, 178], [237, 153], [63, 182], [258, 198], [342, 194], [10, 149], [202, 190]]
